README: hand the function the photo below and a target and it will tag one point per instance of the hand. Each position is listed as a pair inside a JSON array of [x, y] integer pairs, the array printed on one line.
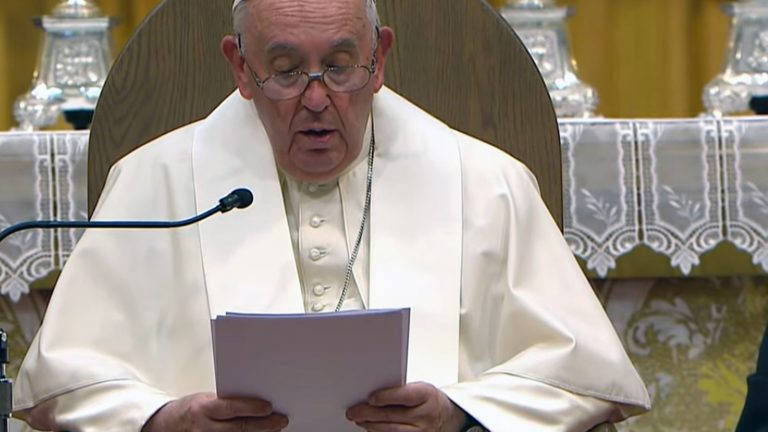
[[411, 408], [206, 412]]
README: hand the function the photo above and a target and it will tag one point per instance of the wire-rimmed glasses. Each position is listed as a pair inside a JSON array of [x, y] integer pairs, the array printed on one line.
[[288, 85]]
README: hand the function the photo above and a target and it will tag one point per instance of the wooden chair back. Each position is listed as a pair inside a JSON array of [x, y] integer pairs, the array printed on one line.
[[457, 59]]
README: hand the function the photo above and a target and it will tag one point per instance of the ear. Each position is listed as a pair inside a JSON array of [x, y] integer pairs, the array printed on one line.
[[386, 39], [231, 51]]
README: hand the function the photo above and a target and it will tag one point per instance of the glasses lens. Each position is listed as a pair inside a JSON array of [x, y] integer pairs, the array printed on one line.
[[346, 79], [287, 80], [285, 86], [291, 85]]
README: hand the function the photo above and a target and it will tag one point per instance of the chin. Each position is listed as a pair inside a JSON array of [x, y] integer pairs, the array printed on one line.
[[320, 177], [314, 176]]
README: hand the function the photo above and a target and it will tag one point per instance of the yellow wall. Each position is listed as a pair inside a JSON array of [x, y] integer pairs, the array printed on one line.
[[647, 58]]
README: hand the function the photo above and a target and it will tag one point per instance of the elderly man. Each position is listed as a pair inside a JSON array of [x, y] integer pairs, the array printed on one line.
[[363, 201]]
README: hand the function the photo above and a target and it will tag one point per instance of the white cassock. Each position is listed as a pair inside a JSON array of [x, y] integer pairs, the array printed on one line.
[[502, 318]]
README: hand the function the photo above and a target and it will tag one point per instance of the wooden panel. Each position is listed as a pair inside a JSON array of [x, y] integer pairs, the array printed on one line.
[[466, 66], [169, 74], [458, 59]]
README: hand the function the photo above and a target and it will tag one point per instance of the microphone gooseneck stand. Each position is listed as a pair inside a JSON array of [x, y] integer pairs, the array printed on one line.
[[239, 198], [6, 385]]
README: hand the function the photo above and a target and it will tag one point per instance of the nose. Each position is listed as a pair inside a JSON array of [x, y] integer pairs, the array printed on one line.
[[315, 96]]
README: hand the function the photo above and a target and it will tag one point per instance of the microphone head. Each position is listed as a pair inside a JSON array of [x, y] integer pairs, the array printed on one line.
[[238, 198], [244, 196]]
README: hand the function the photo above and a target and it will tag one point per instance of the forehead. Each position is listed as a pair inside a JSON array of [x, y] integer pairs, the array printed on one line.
[[307, 24]]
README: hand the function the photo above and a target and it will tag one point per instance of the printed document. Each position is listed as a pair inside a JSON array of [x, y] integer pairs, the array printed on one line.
[[311, 367]]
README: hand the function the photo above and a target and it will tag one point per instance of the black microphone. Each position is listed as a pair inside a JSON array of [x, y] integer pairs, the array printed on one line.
[[239, 198]]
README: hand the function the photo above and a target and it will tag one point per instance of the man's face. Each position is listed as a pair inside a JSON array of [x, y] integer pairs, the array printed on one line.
[[318, 134]]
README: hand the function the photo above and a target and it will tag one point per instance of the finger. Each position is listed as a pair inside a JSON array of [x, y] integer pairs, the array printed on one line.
[[388, 427], [271, 423], [230, 408], [408, 395], [391, 414]]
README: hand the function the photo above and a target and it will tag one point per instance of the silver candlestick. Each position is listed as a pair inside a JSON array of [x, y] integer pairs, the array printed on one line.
[[541, 26], [72, 67], [746, 65]]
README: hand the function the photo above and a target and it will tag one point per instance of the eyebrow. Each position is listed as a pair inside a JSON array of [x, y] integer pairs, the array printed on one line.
[[346, 44], [279, 47]]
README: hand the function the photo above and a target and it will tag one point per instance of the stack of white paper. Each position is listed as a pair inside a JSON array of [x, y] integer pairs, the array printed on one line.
[[311, 367]]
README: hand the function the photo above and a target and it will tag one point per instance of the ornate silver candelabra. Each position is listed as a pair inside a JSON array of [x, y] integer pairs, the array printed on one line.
[[746, 65], [541, 26], [72, 67]]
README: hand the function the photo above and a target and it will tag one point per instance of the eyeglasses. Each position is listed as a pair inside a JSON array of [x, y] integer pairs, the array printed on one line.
[[288, 85], [340, 79]]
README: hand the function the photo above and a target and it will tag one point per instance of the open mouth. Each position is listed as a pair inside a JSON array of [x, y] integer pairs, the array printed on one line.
[[318, 138], [318, 133]]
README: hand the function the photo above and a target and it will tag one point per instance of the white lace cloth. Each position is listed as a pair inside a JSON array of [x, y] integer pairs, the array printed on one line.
[[679, 186], [42, 176]]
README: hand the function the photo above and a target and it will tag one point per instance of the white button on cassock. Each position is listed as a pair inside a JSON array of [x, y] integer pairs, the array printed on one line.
[[315, 221], [317, 307], [319, 289], [316, 253]]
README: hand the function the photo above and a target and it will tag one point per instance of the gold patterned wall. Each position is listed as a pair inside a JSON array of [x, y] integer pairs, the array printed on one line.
[[694, 342]]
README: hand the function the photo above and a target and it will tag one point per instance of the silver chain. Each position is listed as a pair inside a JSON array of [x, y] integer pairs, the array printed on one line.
[[366, 211]]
